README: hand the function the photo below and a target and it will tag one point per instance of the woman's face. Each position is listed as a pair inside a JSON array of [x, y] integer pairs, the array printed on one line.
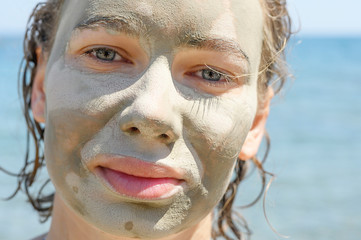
[[148, 104]]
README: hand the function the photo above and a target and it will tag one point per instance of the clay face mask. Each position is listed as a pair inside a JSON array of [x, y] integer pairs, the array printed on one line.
[[147, 107]]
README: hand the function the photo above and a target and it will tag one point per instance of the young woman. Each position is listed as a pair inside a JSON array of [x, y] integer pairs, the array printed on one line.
[[145, 109]]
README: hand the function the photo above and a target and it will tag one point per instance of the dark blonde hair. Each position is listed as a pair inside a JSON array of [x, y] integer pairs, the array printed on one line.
[[40, 32]]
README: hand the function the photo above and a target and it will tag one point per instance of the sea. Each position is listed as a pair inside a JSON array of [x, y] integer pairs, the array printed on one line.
[[315, 156]]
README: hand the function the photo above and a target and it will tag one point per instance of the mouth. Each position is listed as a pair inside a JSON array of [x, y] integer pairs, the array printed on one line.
[[137, 179]]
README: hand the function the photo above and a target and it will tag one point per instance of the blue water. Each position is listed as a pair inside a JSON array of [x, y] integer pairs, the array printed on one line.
[[315, 127]]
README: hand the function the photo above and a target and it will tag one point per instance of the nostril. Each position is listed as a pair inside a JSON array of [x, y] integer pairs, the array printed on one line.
[[133, 130]]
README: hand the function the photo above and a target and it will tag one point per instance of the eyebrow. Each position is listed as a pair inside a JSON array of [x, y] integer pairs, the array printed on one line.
[[134, 26], [130, 25], [214, 44]]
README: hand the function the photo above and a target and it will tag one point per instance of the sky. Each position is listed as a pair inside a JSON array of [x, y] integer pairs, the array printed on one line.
[[317, 17]]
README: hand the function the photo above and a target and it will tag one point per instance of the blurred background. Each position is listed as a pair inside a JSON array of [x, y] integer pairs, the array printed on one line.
[[315, 128]]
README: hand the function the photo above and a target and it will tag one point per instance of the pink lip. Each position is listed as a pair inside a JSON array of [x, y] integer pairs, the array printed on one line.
[[138, 179]]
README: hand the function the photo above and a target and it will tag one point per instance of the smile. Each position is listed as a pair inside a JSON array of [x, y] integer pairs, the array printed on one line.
[[137, 179]]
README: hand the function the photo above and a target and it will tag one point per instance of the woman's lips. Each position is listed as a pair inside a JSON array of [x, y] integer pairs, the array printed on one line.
[[140, 187], [138, 179]]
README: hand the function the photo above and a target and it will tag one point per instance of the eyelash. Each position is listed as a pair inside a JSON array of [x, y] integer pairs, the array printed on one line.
[[224, 77], [94, 53]]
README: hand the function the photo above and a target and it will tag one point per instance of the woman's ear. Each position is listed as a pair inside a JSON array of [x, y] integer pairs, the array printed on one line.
[[38, 93], [255, 135]]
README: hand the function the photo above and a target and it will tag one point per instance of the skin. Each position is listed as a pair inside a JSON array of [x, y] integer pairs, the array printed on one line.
[[155, 84]]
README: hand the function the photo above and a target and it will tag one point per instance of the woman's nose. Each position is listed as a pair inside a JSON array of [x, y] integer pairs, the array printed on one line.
[[153, 129], [152, 115]]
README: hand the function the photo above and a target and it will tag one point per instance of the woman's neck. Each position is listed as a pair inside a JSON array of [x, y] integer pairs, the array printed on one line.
[[66, 225]]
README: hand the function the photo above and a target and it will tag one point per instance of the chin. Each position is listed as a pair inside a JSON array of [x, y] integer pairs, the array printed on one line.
[[129, 218]]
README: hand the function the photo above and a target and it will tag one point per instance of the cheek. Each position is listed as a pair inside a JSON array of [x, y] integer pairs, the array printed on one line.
[[79, 104], [66, 132], [96, 95], [217, 130], [219, 126], [76, 110]]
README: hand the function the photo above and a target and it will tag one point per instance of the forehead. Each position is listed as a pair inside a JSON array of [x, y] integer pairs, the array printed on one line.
[[167, 13], [171, 15], [239, 20]]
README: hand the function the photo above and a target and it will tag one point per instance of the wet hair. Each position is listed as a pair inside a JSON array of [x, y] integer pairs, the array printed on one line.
[[40, 32]]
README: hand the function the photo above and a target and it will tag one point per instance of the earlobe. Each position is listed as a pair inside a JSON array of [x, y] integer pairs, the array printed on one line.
[[255, 135], [38, 93]]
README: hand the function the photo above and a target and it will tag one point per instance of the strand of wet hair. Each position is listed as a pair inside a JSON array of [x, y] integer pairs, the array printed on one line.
[[35, 35], [225, 211]]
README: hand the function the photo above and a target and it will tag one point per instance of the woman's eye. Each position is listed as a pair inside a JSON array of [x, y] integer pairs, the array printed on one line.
[[211, 75], [105, 54]]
